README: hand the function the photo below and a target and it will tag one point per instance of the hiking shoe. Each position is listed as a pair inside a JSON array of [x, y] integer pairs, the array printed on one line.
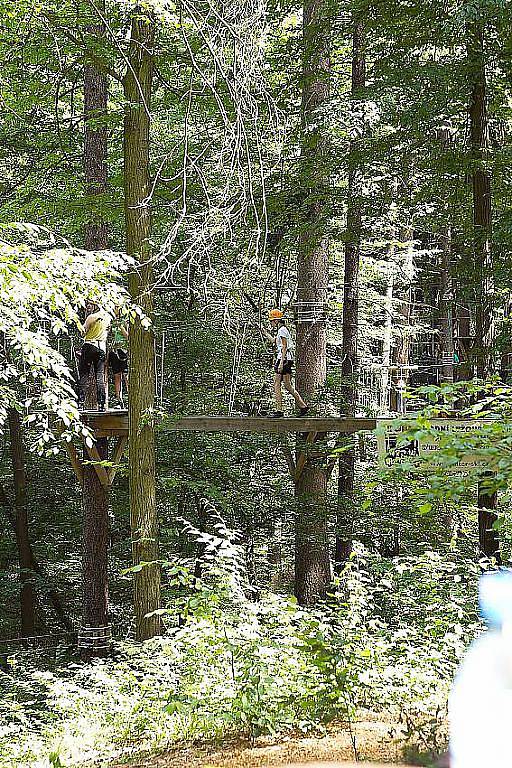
[[303, 411], [277, 415]]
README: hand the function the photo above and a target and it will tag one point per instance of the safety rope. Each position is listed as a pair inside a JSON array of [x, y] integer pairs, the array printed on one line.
[[35, 639], [235, 369]]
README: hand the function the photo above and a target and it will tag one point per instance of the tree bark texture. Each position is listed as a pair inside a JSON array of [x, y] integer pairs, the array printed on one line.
[[487, 536], [349, 357], [53, 596], [482, 221], [27, 589], [400, 352], [506, 353], [387, 339], [446, 286], [95, 146], [137, 186], [481, 187], [96, 535], [462, 315], [312, 562], [95, 496], [446, 343]]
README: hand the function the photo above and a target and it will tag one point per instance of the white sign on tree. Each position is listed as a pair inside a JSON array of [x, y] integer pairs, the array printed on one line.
[[397, 442]]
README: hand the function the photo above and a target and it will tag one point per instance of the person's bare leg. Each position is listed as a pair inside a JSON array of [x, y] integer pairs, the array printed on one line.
[[287, 381], [117, 385], [277, 392], [106, 383]]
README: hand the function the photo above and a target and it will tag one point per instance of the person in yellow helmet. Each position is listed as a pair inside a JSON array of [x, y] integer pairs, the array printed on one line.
[[93, 354], [283, 365]]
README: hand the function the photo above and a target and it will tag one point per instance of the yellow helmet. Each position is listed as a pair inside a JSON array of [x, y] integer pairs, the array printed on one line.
[[275, 314]]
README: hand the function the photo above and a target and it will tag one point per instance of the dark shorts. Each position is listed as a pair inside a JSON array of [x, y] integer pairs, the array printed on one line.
[[118, 361], [287, 367]]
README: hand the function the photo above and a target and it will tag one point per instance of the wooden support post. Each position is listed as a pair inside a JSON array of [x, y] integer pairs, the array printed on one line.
[[75, 460], [71, 451], [287, 453], [116, 457], [303, 456], [96, 460], [105, 476], [320, 449]]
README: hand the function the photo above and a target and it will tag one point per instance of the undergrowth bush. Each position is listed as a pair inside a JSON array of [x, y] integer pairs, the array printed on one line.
[[241, 667]]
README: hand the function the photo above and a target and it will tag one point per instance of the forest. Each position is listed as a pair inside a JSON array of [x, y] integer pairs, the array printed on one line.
[[255, 381]]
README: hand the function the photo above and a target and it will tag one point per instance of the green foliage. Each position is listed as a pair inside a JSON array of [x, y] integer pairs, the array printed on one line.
[[44, 284], [384, 643], [227, 217], [479, 454]]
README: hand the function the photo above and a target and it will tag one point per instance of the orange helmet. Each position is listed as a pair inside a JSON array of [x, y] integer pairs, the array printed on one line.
[[275, 314]]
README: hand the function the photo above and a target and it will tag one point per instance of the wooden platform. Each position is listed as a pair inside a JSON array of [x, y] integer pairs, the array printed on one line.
[[106, 423], [314, 428]]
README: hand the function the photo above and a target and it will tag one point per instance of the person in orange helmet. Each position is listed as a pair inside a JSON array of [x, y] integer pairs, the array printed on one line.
[[284, 363]]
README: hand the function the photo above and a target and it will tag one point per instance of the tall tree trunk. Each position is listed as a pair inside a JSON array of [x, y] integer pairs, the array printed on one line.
[[312, 563], [482, 221], [487, 535], [349, 358], [481, 186], [464, 370], [95, 146], [52, 594], [402, 347], [446, 288], [446, 309], [95, 496], [137, 189], [27, 590], [387, 338], [96, 536]]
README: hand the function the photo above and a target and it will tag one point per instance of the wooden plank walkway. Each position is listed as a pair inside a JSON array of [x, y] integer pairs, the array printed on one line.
[[106, 423], [260, 424]]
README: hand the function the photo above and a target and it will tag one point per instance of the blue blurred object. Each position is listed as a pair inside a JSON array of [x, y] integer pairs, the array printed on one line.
[[495, 597], [480, 705]]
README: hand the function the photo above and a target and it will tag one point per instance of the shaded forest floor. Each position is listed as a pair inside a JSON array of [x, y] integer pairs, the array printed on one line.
[[373, 742]]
